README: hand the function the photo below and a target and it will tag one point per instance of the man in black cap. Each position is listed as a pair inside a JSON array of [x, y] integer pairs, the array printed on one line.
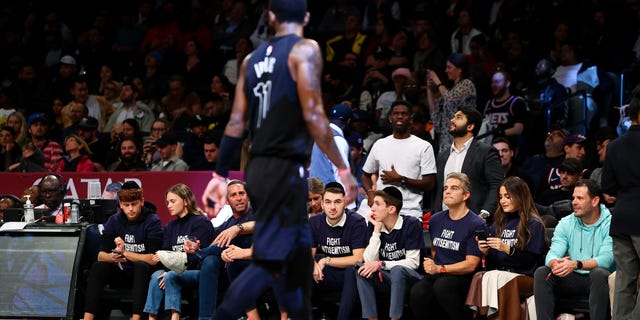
[[88, 130], [193, 141], [169, 161], [321, 166], [570, 172]]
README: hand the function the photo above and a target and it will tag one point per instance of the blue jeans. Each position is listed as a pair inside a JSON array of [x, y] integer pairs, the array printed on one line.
[[208, 280], [397, 281]]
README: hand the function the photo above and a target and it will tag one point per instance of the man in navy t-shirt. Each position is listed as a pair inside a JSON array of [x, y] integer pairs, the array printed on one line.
[[454, 256], [339, 237], [392, 255], [127, 245]]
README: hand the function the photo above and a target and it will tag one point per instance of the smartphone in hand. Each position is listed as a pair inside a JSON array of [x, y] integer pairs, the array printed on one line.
[[481, 234]]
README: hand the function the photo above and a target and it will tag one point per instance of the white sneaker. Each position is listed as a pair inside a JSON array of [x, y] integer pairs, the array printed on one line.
[[174, 260]]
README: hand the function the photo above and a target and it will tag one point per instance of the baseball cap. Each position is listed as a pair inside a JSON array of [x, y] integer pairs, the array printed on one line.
[[88, 123], [401, 72], [39, 116], [556, 127], [571, 165], [355, 140], [68, 60], [165, 140], [340, 111], [576, 138]]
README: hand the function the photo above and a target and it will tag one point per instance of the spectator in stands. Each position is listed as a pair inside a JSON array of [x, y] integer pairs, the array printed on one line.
[[482, 166], [190, 223], [31, 93], [514, 249], [570, 172], [401, 79], [10, 151], [392, 257], [77, 155], [77, 111], [454, 256], [193, 65], [390, 10], [580, 258], [130, 157], [9, 201], [169, 161], [232, 68], [128, 129], [130, 107], [604, 136], [210, 147], [37, 124], [235, 232], [357, 159], [179, 103], [236, 26], [55, 126], [127, 245], [510, 169], [377, 78], [339, 237], [63, 79], [96, 104], [111, 94], [573, 148], [428, 54], [462, 35], [17, 121], [539, 165], [505, 113], [444, 102], [619, 180], [193, 142], [221, 86], [32, 160], [216, 115], [320, 166], [401, 160], [99, 146], [334, 19], [159, 127], [153, 82], [314, 201], [349, 39], [362, 122]]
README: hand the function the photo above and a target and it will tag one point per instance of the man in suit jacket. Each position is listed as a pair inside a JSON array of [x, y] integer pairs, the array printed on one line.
[[620, 179], [480, 161]]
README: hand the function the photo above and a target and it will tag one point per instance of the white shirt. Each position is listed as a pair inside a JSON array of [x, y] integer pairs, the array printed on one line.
[[455, 161]]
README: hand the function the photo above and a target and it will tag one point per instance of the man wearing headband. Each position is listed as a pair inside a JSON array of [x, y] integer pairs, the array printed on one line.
[[279, 80]]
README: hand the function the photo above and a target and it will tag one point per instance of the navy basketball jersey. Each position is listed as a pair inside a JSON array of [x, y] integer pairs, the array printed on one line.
[[275, 116]]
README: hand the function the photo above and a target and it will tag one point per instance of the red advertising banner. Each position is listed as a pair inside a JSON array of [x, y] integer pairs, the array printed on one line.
[[154, 184]]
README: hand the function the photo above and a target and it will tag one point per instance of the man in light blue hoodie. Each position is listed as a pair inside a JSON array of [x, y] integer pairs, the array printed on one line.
[[580, 258]]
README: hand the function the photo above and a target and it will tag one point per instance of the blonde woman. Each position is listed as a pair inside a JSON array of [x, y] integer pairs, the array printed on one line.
[[77, 155], [190, 223]]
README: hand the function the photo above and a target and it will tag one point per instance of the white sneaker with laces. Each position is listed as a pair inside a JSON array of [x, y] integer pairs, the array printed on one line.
[[174, 260]]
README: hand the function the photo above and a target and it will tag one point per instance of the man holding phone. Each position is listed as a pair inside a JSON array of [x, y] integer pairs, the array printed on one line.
[[128, 242]]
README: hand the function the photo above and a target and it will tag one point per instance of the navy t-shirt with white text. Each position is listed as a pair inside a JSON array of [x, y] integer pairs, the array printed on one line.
[[453, 240], [339, 241]]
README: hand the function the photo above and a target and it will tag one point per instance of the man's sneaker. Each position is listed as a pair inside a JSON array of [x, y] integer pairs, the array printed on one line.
[[174, 260]]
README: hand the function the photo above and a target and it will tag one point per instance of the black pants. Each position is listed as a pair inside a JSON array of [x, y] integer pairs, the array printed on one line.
[[103, 273], [441, 297]]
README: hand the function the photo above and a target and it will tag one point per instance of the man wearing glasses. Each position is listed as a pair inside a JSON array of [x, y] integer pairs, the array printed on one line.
[[52, 190]]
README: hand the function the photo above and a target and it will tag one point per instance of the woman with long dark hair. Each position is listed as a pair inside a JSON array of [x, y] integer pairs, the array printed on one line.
[[513, 250]]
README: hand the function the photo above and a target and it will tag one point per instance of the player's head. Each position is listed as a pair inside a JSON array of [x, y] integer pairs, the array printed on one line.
[[289, 10]]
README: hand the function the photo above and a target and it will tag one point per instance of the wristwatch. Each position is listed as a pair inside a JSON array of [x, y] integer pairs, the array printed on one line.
[[443, 269], [240, 226], [579, 264], [327, 259], [484, 214]]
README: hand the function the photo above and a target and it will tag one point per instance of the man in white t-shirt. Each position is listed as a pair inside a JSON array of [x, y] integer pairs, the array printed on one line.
[[401, 160]]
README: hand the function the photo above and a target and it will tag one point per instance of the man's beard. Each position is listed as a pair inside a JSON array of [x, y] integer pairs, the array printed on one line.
[[457, 132]]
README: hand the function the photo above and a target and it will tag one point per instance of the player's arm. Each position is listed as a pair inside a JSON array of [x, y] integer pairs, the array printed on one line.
[[305, 65], [238, 119]]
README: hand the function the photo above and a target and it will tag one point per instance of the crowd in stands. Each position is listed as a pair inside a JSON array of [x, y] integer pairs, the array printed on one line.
[[501, 108]]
